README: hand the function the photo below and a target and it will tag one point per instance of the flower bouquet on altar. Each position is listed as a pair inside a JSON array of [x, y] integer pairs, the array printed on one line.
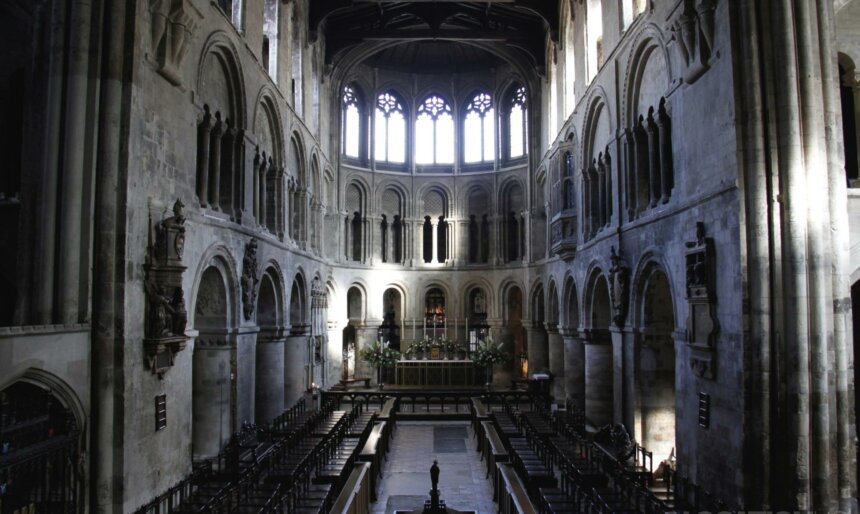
[[488, 355], [379, 354]]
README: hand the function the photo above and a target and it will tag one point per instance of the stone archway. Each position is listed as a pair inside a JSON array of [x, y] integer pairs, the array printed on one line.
[[599, 366], [41, 446], [214, 368], [269, 381], [655, 369]]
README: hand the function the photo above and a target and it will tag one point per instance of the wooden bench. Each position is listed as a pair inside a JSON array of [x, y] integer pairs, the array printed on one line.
[[373, 452], [354, 498], [513, 497]]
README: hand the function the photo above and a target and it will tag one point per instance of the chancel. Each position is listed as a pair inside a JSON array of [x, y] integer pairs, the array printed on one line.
[[283, 255]]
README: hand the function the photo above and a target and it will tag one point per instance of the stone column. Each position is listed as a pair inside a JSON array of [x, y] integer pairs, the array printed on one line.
[[108, 312], [269, 381], [215, 162], [556, 362], [212, 390], [629, 152], [295, 368], [73, 274], [538, 351], [653, 160], [246, 374], [574, 367], [598, 380]]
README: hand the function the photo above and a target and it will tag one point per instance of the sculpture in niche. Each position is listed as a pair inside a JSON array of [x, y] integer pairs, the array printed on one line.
[[692, 23], [165, 314], [249, 279], [618, 290], [480, 303], [702, 325], [173, 25], [319, 306]]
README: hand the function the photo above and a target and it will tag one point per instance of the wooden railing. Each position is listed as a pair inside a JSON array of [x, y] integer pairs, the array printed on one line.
[[355, 497]]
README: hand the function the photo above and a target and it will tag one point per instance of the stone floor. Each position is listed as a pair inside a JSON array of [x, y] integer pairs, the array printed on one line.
[[406, 475]]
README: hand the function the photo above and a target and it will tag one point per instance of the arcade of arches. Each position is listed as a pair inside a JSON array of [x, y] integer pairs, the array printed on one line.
[[210, 209]]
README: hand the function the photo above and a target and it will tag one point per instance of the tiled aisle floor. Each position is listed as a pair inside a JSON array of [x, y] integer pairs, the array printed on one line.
[[406, 476]]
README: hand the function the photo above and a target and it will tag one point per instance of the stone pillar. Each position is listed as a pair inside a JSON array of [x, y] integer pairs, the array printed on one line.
[[629, 152], [799, 448], [295, 368], [73, 273], [538, 351], [556, 362], [246, 374], [653, 160], [598, 381], [574, 367], [212, 390], [269, 381], [214, 188]]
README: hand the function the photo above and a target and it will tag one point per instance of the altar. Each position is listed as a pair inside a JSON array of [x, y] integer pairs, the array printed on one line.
[[434, 372]]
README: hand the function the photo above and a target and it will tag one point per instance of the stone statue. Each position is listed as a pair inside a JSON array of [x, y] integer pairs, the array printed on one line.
[[480, 303], [434, 475], [618, 277], [249, 279], [163, 319]]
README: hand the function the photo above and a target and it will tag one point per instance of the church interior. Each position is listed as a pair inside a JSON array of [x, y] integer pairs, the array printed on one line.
[[286, 255]]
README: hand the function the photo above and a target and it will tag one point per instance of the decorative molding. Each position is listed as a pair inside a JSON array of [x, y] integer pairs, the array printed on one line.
[[692, 23], [173, 23], [702, 324], [165, 317]]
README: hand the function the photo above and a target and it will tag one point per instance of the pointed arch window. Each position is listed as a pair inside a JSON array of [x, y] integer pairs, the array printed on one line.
[[517, 123], [351, 123], [434, 132], [390, 136], [479, 128]]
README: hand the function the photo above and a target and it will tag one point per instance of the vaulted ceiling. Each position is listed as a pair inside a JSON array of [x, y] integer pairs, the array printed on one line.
[[514, 30]]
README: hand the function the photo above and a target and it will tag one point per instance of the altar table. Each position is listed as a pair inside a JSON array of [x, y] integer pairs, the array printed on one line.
[[449, 372]]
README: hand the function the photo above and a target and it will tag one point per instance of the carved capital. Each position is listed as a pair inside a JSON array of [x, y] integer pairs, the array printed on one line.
[[173, 23]]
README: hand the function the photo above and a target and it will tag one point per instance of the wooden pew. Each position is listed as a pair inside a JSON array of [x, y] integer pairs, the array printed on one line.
[[493, 451], [513, 497], [373, 452], [355, 496], [479, 415], [388, 413]]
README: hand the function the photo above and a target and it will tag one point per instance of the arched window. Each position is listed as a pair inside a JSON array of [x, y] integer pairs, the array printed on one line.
[[479, 128], [567, 190], [517, 128], [434, 132], [351, 123], [390, 137], [233, 10], [270, 38], [594, 30]]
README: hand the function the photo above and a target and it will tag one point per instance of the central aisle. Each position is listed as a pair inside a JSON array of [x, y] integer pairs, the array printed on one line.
[[406, 475]]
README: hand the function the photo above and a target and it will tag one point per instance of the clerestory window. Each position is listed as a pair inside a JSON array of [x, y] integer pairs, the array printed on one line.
[[390, 136], [479, 128], [434, 132]]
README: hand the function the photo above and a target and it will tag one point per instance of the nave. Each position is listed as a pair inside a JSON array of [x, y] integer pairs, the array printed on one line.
[[369, 451]]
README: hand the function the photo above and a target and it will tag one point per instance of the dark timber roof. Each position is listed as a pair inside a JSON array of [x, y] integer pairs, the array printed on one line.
[[514, 29]]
